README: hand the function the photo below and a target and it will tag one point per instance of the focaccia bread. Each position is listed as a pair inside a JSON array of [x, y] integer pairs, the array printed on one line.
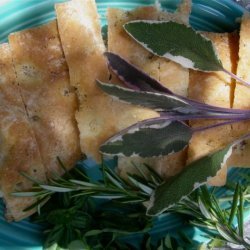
[[241, 154], [80, 33], [42, 75], [99, 116], [19, 150], [214, 89], [170, 74]]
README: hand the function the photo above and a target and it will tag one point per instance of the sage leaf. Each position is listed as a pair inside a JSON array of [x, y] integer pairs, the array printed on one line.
[[157, 101], [154, 137], [176, 42], [132, 76], [181, 185], [193, 176]]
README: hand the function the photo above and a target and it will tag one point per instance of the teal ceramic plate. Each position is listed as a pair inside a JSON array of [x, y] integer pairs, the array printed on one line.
[[213, 15]]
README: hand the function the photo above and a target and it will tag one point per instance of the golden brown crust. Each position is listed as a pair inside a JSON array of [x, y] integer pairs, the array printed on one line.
[[240, 156], [19, 150], [43, 79]]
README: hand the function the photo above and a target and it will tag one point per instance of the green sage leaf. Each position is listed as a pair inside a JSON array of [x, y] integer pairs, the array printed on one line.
[[154, 138], [193, 176], [176, 42], [157, 101]]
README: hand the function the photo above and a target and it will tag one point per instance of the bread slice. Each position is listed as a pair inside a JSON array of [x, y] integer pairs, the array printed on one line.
[[42, 75], [241, 154], [99, 116], [19, 150], [80, 33], [167, 72], [242, 93], [215, 89]]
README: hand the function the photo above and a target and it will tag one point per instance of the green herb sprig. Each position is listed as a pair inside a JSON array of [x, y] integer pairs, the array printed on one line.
[[207, 212], [137, 189], [71, 216]]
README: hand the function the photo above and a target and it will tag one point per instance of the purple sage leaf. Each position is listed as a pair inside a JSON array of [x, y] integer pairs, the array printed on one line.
[[133, 77]]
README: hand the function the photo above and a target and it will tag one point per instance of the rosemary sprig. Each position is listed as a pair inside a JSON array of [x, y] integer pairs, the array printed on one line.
[[137, 189], [71, 215], [207, 212]]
